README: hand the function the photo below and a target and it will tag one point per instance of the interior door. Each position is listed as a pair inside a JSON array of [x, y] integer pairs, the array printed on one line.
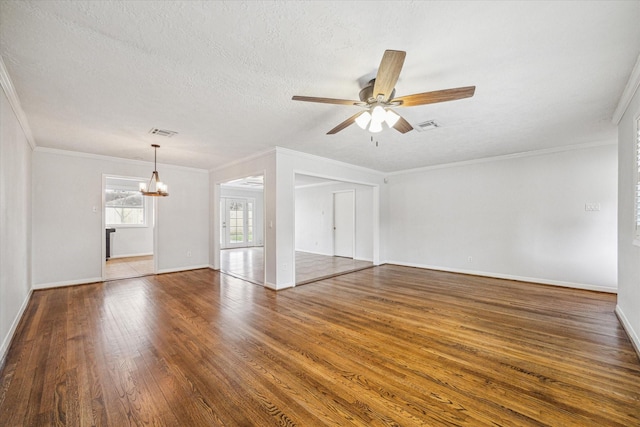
[[237, 224], [344, 223]]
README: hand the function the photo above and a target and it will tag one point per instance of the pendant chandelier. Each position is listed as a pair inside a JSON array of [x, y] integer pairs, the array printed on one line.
[[155, 188]]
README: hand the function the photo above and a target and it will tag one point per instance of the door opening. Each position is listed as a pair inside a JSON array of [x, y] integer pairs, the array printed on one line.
[[344, 223], [128, 229], [242, 228]]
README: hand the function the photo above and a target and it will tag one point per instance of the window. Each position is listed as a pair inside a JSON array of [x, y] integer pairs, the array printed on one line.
[[236, 222], [249, 222], [124, 207]]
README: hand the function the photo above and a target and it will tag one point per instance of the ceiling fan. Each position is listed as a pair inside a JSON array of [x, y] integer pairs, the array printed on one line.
[[378, 97]]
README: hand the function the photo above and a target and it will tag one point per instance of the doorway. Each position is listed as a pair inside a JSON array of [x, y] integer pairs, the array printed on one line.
[[344, 217], [242, 228], [334, 227], [128, 227]]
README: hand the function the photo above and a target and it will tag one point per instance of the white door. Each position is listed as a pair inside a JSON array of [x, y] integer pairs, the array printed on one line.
[[237, 222], [344, 223]]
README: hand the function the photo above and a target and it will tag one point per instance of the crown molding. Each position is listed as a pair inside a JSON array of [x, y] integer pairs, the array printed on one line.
[[14, 101], [68, 153], [244, 159], [628, 93], [506, 157], [282, 150]]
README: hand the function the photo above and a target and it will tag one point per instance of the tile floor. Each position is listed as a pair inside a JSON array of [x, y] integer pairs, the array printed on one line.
[[311, 267], [248, 264], [121, 268]]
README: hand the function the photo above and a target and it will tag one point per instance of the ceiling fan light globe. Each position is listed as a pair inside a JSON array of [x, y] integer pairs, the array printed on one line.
[[375, 126], [391, 118], [363, 120], [378, 114]]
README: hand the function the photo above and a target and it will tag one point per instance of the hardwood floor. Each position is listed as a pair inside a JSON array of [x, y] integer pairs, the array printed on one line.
[[387, 345], [244, 263], [248, 264]]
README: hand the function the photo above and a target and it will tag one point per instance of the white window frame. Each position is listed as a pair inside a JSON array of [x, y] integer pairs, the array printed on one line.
[[145, 208], [224, 238]]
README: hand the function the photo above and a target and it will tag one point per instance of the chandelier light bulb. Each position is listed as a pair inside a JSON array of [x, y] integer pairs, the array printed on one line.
[[155, 187]]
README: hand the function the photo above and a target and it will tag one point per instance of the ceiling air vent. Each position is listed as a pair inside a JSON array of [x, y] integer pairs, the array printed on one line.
[[162, 132], [428, 125]]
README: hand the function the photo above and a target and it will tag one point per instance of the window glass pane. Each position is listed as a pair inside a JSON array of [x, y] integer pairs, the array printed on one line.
[[249, 222], [124, 207]]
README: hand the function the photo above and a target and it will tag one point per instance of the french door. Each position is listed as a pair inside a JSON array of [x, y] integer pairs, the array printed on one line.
[[237, 222]]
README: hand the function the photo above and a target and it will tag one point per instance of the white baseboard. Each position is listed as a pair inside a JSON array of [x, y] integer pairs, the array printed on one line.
[[325, 254], [129, 255], [213, 267], [583, 286], [313, 252], [175, 270], [6, 343], [67, 283], [274, 287], [633, 336]]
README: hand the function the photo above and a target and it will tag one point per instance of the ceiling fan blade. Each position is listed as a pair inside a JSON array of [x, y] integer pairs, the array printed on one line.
[[325, 100], [436, 96], [402, 125], [388, 73], [345, 124]]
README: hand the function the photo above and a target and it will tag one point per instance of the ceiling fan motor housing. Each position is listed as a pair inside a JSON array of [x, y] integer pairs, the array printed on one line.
[[366, 94]]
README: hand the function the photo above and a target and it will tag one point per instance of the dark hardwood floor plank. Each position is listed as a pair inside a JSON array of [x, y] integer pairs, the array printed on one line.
[[380, 347]]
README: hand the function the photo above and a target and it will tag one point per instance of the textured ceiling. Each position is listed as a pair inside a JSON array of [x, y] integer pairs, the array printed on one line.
[[96, 76]]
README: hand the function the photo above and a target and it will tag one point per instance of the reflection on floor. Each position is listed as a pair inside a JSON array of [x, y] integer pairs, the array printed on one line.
[[120, 268], [312, 267], [248, 264], [244, 263]]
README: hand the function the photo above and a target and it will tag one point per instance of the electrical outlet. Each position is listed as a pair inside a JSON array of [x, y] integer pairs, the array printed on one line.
[[188, 254], [470, 259]]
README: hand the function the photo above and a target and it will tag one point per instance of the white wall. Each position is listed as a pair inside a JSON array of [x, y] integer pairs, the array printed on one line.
[[314, 218], [516, 217], [279, 167], [260, 164], [132, 241], [15, 222], [136, 240], [67, 216], [628, 307], [290, 163]]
